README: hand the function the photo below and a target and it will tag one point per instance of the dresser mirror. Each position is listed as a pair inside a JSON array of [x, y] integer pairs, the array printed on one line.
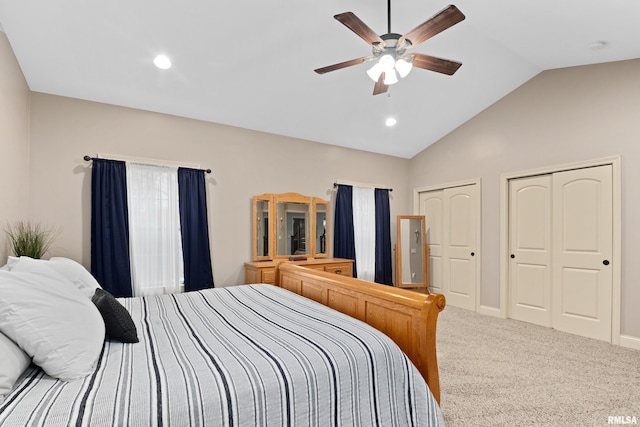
[[289, 224], [292, 228], [411, 252]]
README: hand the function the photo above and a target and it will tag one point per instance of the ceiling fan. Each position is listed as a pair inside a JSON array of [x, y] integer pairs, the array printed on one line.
[[390, 50]]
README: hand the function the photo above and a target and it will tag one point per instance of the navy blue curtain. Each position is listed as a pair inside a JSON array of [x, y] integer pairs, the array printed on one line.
[[110, 262], [195, 229], [383, 238], [343, 239]]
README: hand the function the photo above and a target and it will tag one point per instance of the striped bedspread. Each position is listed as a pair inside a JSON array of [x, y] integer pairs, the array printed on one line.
[[252, 355]]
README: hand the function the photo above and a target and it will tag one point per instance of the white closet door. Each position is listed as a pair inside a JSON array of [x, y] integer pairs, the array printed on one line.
[[451, 223], [582, 247], [459, 268], [530, 249], [431, 206]]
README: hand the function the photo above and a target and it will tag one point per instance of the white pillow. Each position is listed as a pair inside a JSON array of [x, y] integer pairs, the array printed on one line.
[[76, 272], [68, 268], [51, 321], [12, 261], [14, 362]]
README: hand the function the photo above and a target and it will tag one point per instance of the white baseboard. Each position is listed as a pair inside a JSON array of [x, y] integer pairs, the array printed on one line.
[[629, 341], [490, 311]]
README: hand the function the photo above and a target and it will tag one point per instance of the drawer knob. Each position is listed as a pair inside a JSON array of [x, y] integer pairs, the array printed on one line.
[[338, 271]]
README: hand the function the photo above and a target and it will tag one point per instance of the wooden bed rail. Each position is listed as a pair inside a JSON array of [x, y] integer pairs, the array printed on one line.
[[407, 317]]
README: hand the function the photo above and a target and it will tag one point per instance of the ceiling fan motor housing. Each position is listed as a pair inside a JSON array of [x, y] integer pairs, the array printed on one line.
[[391, 45]]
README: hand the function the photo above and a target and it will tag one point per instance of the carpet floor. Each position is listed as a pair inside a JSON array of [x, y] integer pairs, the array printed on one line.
[[497, 372]]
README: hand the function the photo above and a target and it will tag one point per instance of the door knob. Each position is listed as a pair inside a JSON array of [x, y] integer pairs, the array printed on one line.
[[473, 253], [512, 256], [605, 262]]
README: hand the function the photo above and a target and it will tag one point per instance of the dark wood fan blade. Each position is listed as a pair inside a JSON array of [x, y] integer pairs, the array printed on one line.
[[340, 65], [380, 87], [354, 23], [447, 17], [432, 63]]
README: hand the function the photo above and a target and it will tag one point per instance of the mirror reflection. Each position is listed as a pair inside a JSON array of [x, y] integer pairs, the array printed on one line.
[[412, 250], [262, 243], [292, 228], [321, 228], [411, 256]]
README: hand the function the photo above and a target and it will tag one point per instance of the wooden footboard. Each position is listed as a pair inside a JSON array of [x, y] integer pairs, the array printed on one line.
[[409, 318]]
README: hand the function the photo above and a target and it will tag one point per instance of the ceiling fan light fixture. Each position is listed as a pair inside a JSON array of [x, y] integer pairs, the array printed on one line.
[[387, 62], [390, 77], [374, 72], [403, 67]]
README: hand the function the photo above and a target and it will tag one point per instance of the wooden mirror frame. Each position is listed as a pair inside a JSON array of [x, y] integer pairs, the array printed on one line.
[[274, 199], [425, 254], [257, 222]]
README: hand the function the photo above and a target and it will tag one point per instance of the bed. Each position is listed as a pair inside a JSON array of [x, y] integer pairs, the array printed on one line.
[[248, 355]]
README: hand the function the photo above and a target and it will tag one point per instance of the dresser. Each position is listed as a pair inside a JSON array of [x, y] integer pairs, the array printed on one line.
[[265, 271]]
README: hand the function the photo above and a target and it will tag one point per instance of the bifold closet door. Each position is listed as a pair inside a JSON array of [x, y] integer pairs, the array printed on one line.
[[582, 250], [530, 249], [459, 270], [451, 220], [431, 206], [560, 247]]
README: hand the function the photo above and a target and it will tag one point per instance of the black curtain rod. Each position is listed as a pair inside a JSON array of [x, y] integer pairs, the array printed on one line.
[[335, 184], [89, 158]]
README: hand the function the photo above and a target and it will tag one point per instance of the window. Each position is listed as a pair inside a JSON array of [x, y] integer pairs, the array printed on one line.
[[154, 229]]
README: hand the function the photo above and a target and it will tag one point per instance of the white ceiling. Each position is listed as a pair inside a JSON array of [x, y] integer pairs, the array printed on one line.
[[250, 63]]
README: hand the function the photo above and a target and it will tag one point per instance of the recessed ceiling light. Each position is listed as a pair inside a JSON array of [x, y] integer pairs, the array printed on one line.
[[391, 122], [162, 62]]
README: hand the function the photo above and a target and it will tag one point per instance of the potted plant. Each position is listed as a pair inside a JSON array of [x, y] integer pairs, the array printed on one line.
[[30, 239]]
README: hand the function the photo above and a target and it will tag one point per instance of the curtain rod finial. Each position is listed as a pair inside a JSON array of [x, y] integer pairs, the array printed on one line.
[[87, 158]]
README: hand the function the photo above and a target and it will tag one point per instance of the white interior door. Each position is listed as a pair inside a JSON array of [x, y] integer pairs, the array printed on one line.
[[530, 249], [452, 221], [582, 247], [431, 206], [459, 226]]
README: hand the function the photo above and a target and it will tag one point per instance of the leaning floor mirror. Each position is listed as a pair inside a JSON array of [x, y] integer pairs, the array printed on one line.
[[412, 253]]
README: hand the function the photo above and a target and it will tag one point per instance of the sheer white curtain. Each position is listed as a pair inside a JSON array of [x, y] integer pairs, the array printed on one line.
[[364, 231], [154, 229]]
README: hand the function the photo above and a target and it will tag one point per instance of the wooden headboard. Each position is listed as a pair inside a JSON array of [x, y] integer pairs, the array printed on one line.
[[407, 317]]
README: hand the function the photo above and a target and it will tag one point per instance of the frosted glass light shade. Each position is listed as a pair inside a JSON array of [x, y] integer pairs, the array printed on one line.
[[403, 67], [374, 72], [390, 77], [386, 63]]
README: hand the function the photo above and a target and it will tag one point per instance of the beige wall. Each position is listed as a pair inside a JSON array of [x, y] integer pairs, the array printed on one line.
[[558, 117], [14, 143], [244, 163]]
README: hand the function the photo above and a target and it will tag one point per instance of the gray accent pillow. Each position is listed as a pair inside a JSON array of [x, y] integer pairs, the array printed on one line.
[[118, 323]]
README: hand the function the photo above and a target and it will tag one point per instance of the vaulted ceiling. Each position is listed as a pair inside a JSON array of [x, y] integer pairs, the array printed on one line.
[[250, 63]]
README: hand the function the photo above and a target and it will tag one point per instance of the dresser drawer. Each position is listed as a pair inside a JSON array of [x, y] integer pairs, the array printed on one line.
[[341, 268], [268, 276]]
